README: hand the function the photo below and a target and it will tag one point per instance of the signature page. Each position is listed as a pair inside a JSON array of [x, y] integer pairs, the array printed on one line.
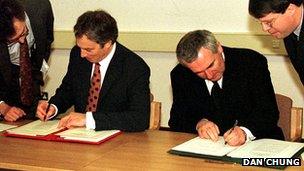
[[267, 148], [205, 147], [86, 135], [37, 127], [6, 126]]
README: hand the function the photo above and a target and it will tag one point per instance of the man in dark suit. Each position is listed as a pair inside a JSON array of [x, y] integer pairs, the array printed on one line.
[[215, 87], [121, 101], [283, 19], [23, 22]]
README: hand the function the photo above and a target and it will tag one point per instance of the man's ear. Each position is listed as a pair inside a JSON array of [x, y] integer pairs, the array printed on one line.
[[108, 44], [291, 9], [219, 47]]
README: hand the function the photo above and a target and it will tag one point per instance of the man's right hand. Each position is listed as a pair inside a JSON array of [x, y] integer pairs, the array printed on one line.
[[11, 113], [42, 108], [208, 130]]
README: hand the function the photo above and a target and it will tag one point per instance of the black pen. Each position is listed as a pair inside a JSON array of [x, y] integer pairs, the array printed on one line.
[[47, 110], [234, 125]]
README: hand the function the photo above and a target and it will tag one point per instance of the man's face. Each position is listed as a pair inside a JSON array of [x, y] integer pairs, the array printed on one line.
[[208, 65], [281, 25], [21, 31], [92, 50]]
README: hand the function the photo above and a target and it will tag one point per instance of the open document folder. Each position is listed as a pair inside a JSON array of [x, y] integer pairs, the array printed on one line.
[[261, 148], [48, 131]]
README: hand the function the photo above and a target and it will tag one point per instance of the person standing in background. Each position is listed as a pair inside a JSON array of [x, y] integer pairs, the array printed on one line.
[[283, 19], [26, 35]]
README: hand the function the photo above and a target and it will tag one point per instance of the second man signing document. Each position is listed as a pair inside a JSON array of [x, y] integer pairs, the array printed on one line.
[[107, 84], [225, 91]]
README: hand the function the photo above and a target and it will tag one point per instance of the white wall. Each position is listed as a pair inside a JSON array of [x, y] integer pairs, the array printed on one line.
[[226, 16], [162, 15]]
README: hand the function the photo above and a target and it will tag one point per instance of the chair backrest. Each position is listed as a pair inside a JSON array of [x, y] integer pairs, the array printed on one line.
[[290, 118], [155, 113]]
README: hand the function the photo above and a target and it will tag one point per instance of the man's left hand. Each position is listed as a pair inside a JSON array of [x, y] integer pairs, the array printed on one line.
[[73, 119]]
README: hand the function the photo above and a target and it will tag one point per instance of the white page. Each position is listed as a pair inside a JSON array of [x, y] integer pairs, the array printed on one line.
[[205, 146], [267, 148], [6, 126], [37, 127], [86, 135]]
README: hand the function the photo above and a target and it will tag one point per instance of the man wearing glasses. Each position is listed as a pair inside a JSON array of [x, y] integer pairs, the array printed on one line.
[[283, 19], [25, 41]]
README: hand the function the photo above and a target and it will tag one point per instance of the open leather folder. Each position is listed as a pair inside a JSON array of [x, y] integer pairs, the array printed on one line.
[[48, 131]]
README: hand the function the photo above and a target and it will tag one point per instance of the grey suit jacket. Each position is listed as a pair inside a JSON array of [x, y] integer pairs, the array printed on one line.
[[41, 19]]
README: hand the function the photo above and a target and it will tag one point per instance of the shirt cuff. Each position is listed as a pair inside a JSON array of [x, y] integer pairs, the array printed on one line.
[[249, 135], [90, 122], [0, 112], [56, 111]]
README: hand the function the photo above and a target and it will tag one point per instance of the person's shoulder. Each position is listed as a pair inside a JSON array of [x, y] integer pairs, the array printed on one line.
[[128, 56], [181, 70], [40, 3], [244, 54]]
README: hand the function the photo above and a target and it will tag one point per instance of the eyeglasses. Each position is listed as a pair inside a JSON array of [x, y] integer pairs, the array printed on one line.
[[271, 22]]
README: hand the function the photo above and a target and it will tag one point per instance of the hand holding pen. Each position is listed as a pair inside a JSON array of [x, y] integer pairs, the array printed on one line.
[[235, 136], [46, 112]]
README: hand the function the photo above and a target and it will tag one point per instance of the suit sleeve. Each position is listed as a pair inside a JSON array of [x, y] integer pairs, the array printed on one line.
[[136, 112], [264, 117], [63, 97], [183, 117], [50, 30]]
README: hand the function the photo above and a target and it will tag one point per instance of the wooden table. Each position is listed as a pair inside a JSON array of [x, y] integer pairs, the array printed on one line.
[[128, 151]]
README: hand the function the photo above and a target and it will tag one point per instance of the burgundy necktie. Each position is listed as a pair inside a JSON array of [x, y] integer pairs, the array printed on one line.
[[94, 90], [26, 83]]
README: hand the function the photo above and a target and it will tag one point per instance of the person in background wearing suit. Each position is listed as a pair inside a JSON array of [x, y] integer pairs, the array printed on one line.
[[215, 87], [121, 101], [283, 19], [26, 28]]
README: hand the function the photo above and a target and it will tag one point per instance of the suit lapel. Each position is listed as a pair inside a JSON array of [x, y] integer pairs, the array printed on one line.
[[113, 72], [84, 82]]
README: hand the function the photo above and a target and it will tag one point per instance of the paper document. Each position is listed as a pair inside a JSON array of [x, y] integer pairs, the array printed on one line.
[[261, 148], [37, 127], [205, 146], [6, 126], [267, 148], [86, 135]]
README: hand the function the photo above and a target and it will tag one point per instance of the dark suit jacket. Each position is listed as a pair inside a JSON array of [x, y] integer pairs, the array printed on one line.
[[41, 19], [248, 97], [295, 50], [124, 101]]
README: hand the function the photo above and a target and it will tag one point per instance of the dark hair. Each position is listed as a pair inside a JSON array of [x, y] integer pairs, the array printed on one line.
[[9, 9], [98, 26], [188, 47], [261, 8]]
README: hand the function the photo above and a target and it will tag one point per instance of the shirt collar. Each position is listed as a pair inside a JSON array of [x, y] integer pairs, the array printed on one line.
[[220, 81], [298, 29], [108, 58]]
